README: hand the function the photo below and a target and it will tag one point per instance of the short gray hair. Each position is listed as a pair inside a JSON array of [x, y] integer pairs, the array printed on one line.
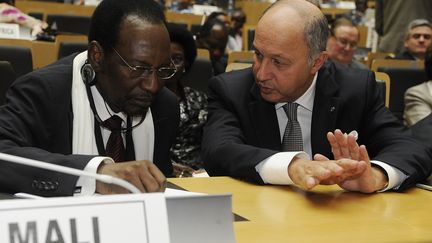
[[417, 23], [316, 33]]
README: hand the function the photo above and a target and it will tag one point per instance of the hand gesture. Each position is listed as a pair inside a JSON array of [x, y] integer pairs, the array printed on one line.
[[142, 174]]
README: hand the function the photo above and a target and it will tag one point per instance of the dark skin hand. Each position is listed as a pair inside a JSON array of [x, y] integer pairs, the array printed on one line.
[[143, 174]]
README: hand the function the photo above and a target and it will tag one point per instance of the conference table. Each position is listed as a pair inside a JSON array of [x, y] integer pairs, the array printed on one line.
[[276, 214]]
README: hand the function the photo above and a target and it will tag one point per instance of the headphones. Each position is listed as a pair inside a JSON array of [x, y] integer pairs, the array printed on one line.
[[88, 74]]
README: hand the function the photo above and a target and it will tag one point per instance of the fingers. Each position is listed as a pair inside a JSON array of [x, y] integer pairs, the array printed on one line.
[[320, 157], [363, 154], [142, 174], [153, 179], [307, 174]]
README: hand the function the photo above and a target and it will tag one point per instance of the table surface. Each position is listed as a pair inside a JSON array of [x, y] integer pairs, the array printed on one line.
[[325, 214]]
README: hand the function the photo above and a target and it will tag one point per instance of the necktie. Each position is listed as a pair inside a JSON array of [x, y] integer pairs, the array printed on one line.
[[292, 139], [115, 148]]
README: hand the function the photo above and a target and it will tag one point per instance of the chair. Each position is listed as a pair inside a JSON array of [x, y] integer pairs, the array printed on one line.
[[240, 56], [19, 57], [401, 80], [396, 63], [236, 66], [199, 74], [7, 76], [203, 53], [66, 48], [363, 35], [383, 81], [69, 23], [377, 55], [248, 37]]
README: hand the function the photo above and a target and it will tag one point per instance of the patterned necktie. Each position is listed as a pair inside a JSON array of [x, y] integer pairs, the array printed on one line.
[[292, 139], [115, 148]]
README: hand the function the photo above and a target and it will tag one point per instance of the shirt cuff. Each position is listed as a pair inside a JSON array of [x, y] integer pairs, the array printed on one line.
[[395, 176], [274, 169], [86, 186]]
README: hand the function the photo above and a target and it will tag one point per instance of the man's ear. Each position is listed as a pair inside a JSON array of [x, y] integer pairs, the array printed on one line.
[[96, 55], [319, 61]]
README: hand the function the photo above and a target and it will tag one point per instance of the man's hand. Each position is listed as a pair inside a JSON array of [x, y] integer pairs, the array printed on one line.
[[345, 147], [142, 174], [309, 173]]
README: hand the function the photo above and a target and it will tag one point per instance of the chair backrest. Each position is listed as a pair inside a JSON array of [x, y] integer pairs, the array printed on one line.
[[19, 57], [7, 76], [383, 81], [248, 37], [65, 23], [401, 80], [199, 74], [68, 47], [237, 65], [396, 63], [377, 55], [240, 56], [203, 53]]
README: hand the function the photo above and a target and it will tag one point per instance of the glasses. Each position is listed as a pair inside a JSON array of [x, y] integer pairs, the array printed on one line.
[[345, 43], [146, 71], [425, 36], [177, 60]]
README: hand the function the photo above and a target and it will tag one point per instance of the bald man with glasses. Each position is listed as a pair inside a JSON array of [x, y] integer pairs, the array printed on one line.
[[342, 43], [105, 110]]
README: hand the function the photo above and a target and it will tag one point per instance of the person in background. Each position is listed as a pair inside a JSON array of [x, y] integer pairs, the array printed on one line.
[[182, 6], [235, 38], [418, 99], [10, 14], [295, 119], [213, 36], [103, 111], [391, 18], [418, 39], [357, 15], [342, 43], [186, 150]]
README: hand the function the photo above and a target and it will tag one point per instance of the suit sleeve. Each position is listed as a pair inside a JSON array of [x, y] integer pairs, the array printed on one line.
[[35, 123], [387, 140], [224, 150]]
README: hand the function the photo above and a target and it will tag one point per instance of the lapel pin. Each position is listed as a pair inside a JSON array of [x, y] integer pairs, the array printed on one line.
[[332, 109]]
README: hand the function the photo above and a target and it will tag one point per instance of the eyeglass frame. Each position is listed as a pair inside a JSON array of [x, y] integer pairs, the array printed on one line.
[[148, 69], [345, 43]]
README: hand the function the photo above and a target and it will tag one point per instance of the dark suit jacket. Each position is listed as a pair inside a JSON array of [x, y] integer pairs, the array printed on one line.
[[36, 122], [242, 128], [422, 130]]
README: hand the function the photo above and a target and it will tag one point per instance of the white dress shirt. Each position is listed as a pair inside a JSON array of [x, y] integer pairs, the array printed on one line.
[[274, 169], [142, 135]]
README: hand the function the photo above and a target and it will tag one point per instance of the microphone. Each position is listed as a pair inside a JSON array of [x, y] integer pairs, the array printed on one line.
[[70, 171]]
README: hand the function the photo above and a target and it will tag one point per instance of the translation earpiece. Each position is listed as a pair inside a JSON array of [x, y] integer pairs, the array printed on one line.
[[88, 74]]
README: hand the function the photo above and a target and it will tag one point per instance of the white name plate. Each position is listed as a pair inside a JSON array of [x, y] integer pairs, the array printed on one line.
[[11, 31], [105, 219]]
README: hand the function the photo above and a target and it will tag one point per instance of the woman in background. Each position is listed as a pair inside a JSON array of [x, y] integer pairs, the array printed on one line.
[[186, 150], [10, 14]]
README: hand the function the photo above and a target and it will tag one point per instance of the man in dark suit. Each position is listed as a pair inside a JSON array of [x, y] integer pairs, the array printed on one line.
[[251, 123], [80, 111]]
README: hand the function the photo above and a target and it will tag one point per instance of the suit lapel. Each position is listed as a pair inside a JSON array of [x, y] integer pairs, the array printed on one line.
[[264, 120], [325, 110]]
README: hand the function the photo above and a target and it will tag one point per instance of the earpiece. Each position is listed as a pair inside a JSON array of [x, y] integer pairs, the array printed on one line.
[[88, 74]]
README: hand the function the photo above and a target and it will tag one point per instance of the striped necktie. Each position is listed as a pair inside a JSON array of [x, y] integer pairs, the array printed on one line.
[[115, 147]]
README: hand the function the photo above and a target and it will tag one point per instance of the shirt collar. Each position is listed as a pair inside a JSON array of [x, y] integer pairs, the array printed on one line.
[[103, 109], [307, 99]]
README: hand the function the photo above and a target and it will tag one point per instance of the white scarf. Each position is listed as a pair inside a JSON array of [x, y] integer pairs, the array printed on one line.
[[83, 139]]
